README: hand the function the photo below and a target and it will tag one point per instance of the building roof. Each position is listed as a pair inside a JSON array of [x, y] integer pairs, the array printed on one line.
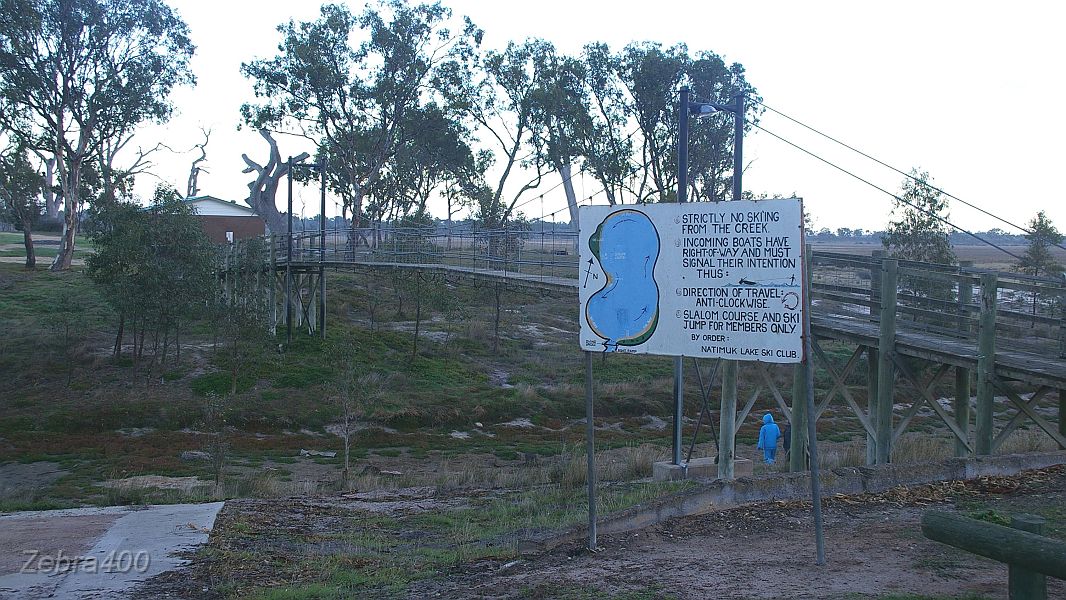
[[209, 206]]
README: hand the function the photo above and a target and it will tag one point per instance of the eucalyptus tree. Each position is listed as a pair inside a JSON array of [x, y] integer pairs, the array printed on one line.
[[353, 84], [496, 93], [434, 152], [561, 116], [20, 195], [919, 231], [85, 73], [155, 266], [711, 138], [651, 77], [606, 149], [1038, 260]]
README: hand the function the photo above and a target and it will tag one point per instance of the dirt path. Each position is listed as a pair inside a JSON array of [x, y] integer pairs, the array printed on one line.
[[874, 548], [730, 555], [874, 544]]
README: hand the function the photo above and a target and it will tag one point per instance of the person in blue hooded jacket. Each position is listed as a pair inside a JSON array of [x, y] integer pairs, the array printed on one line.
[[768, 438]]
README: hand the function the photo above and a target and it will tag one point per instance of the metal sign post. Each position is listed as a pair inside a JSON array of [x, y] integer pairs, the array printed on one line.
[[590, 451]]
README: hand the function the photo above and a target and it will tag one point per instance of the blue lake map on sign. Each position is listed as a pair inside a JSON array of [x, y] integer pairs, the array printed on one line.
[[625, 311]]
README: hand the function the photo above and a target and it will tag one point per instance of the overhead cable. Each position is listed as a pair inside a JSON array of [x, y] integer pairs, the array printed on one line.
[[881, 189], [907, 175]]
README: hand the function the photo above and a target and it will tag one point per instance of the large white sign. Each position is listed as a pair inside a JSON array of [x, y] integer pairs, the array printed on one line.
[[717, 280]]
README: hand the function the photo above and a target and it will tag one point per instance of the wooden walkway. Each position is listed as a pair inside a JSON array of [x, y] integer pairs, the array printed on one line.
[[1000, 333], [1018, 364]]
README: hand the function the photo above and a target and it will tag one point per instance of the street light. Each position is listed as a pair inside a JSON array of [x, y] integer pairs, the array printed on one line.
[[686, 109], [695, 109]]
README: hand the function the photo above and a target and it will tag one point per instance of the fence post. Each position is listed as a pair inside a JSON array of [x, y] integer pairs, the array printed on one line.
[[962, 374], [986, 363], [1024, 584], [886, 348]]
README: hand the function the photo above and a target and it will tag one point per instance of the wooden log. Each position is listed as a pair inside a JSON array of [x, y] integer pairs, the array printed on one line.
[[1022, 583], [986, 364], [886, 346], [1010, 546]]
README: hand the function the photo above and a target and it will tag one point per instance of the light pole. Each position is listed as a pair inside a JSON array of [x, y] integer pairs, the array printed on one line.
[[686, 109]]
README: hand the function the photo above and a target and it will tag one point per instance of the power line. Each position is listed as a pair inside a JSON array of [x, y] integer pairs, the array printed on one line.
[[881, 189], [907, 175]]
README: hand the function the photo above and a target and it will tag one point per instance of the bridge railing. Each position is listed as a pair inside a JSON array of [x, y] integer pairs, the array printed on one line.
[[531, 253], [944, 300]]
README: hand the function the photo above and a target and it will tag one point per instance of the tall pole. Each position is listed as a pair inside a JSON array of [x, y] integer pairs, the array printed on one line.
[[322, 253], [288, 267], [682, 146], [590, 450], [682, 196], [738, 144], [728, 412], [812, 426]]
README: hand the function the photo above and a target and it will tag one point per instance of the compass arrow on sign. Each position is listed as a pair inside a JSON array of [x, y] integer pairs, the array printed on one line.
[[588, 271]]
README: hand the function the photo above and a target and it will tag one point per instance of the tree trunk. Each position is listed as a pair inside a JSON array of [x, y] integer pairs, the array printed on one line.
[[571, 197], [51, 202], [263, 191], [27, 240], [65, 256], [117, 352]]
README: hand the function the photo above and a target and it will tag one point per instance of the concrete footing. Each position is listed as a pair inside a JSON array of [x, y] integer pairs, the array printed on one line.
[[699, 468], [720, 493]]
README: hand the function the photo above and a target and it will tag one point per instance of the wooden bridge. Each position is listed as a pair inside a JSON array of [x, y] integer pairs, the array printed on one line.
[[1000, 336]]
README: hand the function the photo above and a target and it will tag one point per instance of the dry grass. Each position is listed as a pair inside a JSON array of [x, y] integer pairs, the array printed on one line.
[[1027, 440], [913, 448]]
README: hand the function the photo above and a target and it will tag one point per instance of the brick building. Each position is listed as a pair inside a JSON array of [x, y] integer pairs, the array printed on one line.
[[226, 221]]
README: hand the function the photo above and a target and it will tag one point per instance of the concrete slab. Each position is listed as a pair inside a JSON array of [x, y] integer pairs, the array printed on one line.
[[97, 552], [699, 468]]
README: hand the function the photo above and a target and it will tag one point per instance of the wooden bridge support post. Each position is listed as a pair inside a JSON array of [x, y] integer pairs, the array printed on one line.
[[962, 374], [798, 453], [272, 291], [727, 428], [872, 357], [797, 457], [886, 371], [1062, 416], [986, 359], [1021, 582], [886, 375]]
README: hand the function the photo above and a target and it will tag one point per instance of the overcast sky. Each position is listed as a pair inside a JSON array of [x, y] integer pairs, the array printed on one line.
[[972, 92]]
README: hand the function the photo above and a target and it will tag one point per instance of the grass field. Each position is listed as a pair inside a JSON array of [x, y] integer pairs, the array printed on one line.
[[497, 423]]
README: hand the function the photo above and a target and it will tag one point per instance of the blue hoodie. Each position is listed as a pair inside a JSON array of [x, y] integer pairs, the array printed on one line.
[[769, 433]]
